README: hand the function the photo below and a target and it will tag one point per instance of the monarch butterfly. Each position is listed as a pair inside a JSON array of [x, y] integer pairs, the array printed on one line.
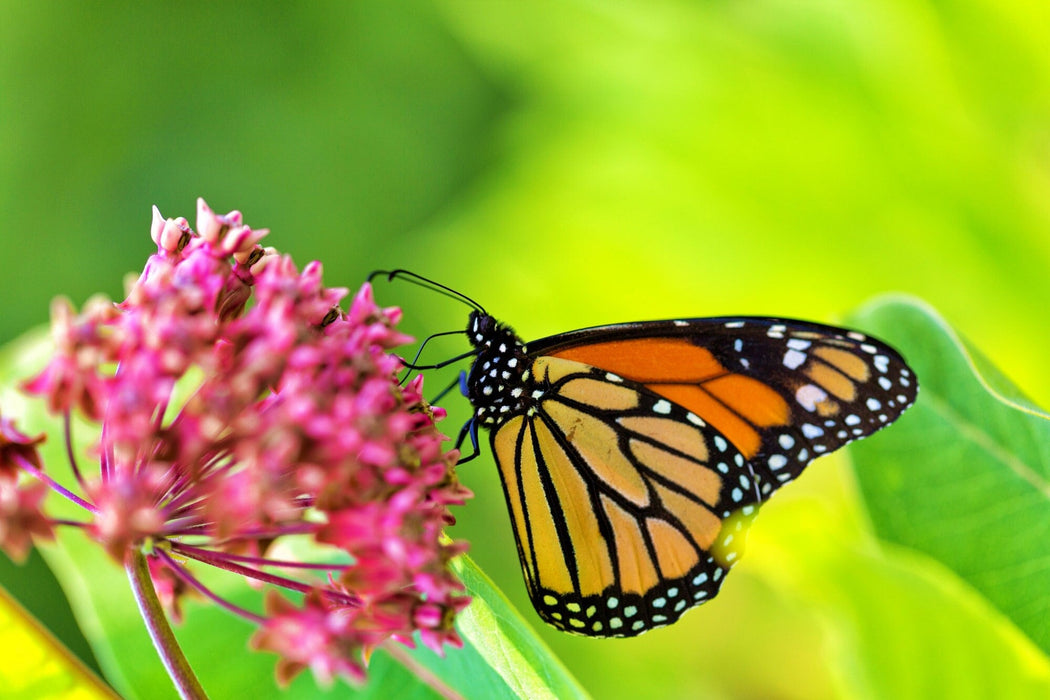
[[633, 456]]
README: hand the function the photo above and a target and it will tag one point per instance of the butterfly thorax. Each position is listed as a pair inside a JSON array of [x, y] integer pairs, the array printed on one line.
[[498, 383]]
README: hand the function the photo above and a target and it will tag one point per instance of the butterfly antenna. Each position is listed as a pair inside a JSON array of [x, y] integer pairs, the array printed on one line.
[[419, 280]]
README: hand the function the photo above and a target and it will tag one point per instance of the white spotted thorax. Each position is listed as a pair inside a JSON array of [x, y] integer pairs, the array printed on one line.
[[499, 385]]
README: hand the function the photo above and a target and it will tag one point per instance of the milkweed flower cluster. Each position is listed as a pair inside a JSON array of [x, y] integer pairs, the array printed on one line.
[[241, 408]]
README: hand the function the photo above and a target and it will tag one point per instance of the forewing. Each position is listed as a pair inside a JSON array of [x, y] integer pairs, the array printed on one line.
[[783, 392]]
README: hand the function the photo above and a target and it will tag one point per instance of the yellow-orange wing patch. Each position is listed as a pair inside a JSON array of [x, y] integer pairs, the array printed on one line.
[[618, 499]]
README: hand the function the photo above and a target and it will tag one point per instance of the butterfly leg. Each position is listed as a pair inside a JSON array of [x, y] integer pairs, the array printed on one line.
[[469, 428], [412, 366]]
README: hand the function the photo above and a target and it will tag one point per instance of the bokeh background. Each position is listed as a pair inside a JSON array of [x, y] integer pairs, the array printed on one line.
[[575, 163]]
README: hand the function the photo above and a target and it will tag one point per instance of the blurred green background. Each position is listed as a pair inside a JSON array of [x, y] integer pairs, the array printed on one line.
[[576, 163]]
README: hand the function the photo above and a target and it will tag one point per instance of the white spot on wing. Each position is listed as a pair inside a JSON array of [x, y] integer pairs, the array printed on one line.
[[809, 395], [777, 462], [793, 359]]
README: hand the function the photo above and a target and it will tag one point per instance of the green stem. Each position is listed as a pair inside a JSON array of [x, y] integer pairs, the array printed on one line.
[[160, 631]]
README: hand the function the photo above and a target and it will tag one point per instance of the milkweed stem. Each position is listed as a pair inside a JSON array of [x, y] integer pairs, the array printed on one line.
[[182, 675]]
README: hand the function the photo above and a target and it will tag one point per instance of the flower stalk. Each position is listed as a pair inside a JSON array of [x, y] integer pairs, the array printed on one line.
[[160, 631]]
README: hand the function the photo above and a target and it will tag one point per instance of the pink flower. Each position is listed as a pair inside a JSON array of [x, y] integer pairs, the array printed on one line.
[[238, 404], [317, 635]]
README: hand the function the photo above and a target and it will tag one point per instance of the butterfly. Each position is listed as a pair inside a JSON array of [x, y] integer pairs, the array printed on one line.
[[633, 456]]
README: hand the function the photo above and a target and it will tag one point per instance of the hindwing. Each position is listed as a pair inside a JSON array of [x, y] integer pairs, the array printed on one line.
[[622, 502]]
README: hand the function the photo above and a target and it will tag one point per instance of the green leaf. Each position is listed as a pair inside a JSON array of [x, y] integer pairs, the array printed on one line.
[[965, 475], [507, 646], [896, 625]]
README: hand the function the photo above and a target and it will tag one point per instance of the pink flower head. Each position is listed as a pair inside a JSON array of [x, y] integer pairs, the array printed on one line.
[[238, 405]]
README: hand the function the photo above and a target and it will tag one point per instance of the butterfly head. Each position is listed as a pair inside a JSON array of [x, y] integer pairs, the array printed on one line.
[[497, 383]]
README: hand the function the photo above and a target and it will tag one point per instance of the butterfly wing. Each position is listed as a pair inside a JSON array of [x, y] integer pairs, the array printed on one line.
[[633, 455], [782, 391], [622, 502]]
